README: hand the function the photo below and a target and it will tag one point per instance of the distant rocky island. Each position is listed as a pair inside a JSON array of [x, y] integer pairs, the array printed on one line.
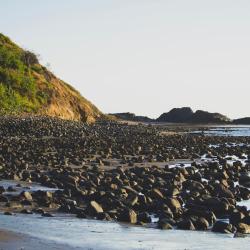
[[184, 115]]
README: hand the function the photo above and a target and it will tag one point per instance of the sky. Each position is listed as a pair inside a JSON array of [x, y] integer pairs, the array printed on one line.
[[141, 56]]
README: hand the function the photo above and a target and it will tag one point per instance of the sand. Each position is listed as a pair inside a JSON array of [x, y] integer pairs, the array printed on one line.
[[16, 241]]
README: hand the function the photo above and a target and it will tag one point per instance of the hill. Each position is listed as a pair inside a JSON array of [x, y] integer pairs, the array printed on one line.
[[176, 115], [186, 115], [131, 117], [27, 87], [242, 121]]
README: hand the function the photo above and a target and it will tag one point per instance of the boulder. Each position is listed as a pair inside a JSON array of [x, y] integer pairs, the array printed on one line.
[[27, 195], [164, 224], [243, 228], [185, 224], [128, 215], [223, 227], [95, 208], [235, 217]]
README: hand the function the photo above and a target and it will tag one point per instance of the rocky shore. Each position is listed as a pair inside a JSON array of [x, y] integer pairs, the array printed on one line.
[[119, 172]]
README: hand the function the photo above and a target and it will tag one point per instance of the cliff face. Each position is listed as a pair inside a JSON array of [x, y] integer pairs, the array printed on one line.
[[27, 87]]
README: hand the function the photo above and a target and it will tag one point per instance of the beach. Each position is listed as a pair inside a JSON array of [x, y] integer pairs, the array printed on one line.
[[69, 185]]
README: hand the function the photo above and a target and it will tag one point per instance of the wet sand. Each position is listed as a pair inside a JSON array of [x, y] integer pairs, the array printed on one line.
[[16, 241], [71, 233]]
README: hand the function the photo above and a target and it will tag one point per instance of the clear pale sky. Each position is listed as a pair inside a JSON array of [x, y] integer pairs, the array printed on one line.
[[142, 56]]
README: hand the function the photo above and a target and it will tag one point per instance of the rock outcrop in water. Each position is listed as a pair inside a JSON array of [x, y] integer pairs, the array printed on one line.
[[176, 115], [28, 87], [186, 115], [201, 116], [242, 121], [179, 115]]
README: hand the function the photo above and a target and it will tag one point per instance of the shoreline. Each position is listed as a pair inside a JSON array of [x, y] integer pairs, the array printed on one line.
[[11, 240], [119, 173]]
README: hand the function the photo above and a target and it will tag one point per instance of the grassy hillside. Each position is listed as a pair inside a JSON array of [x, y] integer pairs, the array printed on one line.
[[28, 87]]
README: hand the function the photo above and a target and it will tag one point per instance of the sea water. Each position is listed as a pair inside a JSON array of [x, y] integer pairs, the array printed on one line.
[[226, 131]]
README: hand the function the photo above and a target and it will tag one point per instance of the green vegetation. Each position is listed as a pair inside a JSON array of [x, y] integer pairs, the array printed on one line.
[[18, 89], [28, 87]]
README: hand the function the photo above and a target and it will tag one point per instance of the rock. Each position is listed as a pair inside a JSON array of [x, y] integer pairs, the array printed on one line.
[[104, 216], [200, 223], [208, 215], [174, 204], [26, 211], [164, 224], [176, 115], [14, 205], [8, 213], [144, 217], [131, 202], [235, 217], [239, 235], [156, 193], [201, 116], [244, 180], [2, 189], [80, 213], [95, 208], [246, 220], [218, 206], [128, 215], [130, 190], [11, 189], [131, 117], [185, 225], [223, 227], [245, 121], [3, 199], [47, 214], [243, 228], [186, 115], [26, 195], [38, 211]]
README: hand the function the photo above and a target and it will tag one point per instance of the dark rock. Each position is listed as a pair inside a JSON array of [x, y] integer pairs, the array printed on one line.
[[47, 214], [144, 217], [245, 120], [185, 225], [201, 116], [3, 199], [223, 227], [94, 208], [128, 215], [163, 224], [243, 228], [131, 117], [26, 211], [244, 180], [27, 196], [8, 213], [236, 217], [176, 115]]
